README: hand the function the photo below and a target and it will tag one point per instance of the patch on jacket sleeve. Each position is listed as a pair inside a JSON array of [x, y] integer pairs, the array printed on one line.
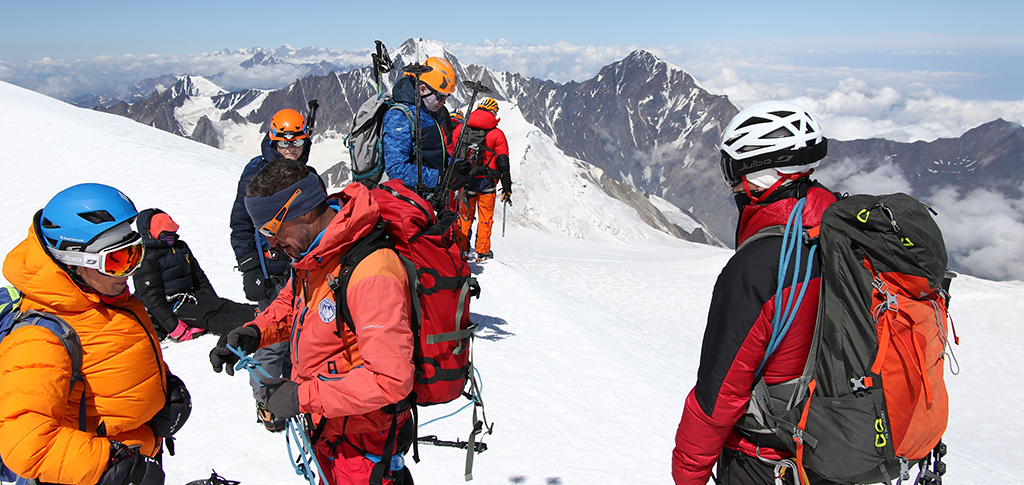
[[327, 310]]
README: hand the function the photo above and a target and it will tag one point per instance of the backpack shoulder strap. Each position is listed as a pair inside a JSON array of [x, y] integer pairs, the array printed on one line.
[[69, 339], [348, 262], [770, 231], [405, 109]]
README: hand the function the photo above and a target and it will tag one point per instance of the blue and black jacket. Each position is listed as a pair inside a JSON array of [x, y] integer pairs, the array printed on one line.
[[398, 138]]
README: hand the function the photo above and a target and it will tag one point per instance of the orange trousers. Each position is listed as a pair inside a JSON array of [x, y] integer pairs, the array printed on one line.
[[485, 202]]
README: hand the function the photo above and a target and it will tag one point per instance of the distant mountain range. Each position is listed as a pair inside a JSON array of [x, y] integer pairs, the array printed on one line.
[[647, 124]]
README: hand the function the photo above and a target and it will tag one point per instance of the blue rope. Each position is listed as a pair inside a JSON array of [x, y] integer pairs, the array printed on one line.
[[475, 400], [294, 427], [785, 315]]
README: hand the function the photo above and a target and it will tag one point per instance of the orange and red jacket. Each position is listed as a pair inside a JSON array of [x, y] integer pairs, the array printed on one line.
[[483, 119], [737, 335], [124, 371], [349, 378]]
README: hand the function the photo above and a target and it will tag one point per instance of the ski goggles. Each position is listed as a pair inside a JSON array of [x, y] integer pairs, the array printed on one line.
[[119, 260], [270, 229], [290, 143]]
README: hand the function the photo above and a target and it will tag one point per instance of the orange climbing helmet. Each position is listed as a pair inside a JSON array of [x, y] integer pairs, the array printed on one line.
[[288, 124]]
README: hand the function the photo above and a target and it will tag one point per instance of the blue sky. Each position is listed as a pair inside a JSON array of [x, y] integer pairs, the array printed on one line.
[[905, 70], [71, 29]]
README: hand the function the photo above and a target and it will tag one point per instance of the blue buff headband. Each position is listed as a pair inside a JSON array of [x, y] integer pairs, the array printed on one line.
[[263, 209]]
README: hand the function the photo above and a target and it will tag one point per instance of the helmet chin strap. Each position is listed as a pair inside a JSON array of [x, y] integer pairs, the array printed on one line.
[[783, 178]]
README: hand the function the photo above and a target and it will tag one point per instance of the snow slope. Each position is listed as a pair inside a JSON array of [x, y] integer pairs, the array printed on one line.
[[591, 321]]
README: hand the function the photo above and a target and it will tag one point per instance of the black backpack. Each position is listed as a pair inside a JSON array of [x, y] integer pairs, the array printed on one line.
[[473, 148]]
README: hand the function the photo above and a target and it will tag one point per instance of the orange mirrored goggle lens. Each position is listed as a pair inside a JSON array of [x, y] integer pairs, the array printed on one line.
[[122, 261]]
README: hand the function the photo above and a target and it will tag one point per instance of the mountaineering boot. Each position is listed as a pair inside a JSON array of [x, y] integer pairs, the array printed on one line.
[[469, 255], [483, 256], [265, 417]]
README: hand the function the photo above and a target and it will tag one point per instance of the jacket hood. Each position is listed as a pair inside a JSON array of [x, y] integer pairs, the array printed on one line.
[[31, 269], [405, 90], [356, 218], [270, 153], [482, 119], [142, 223]]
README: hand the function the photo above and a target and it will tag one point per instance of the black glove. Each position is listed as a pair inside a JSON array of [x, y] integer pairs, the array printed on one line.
[[281, 396], [253, 282], [246, 338], [177, 407], [506, 178], [127, 466]]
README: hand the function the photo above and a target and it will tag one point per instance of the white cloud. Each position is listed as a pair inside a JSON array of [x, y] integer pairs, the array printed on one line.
[[983, 231]]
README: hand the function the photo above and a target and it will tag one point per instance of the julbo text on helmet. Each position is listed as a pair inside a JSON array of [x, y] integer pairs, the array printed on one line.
[[771, 134], [288, 124]]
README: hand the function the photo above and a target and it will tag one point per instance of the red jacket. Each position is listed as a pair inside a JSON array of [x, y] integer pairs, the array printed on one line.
[[483, 119], [738, 331], [346, 379]]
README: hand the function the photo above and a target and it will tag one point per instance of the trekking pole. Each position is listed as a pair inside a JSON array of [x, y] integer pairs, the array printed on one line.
[[295, 426], [504, 210], [381, 64], [418, 69]]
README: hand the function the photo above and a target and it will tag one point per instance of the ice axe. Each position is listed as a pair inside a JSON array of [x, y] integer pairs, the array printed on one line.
[[313, 106]]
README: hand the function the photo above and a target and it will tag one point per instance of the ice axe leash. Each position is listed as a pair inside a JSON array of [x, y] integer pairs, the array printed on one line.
[[381, 64], [418, 69], [295, 429]]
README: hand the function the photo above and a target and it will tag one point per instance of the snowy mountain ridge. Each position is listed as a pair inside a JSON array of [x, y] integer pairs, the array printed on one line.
[[587, 347]]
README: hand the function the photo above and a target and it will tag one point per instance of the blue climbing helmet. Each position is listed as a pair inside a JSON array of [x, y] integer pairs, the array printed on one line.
[[94, 219]]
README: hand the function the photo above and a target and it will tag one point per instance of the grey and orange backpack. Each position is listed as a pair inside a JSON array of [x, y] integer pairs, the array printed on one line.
[[871, 401]]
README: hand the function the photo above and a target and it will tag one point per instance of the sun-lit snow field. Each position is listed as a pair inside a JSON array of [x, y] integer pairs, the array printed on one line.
[[591, 321]]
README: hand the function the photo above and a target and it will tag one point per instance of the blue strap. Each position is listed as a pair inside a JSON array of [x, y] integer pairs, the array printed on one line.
[[785, 314], [397, 461]]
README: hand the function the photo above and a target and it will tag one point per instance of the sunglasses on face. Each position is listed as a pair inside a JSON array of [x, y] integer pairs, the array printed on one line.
[[291, 143], [270, 229], [119, 260], [439, 95]]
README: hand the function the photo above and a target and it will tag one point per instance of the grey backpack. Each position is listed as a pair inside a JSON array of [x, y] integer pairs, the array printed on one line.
[[364, 138]]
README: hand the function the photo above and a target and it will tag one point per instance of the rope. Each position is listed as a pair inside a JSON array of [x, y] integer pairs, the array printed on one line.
[[294, 427]]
